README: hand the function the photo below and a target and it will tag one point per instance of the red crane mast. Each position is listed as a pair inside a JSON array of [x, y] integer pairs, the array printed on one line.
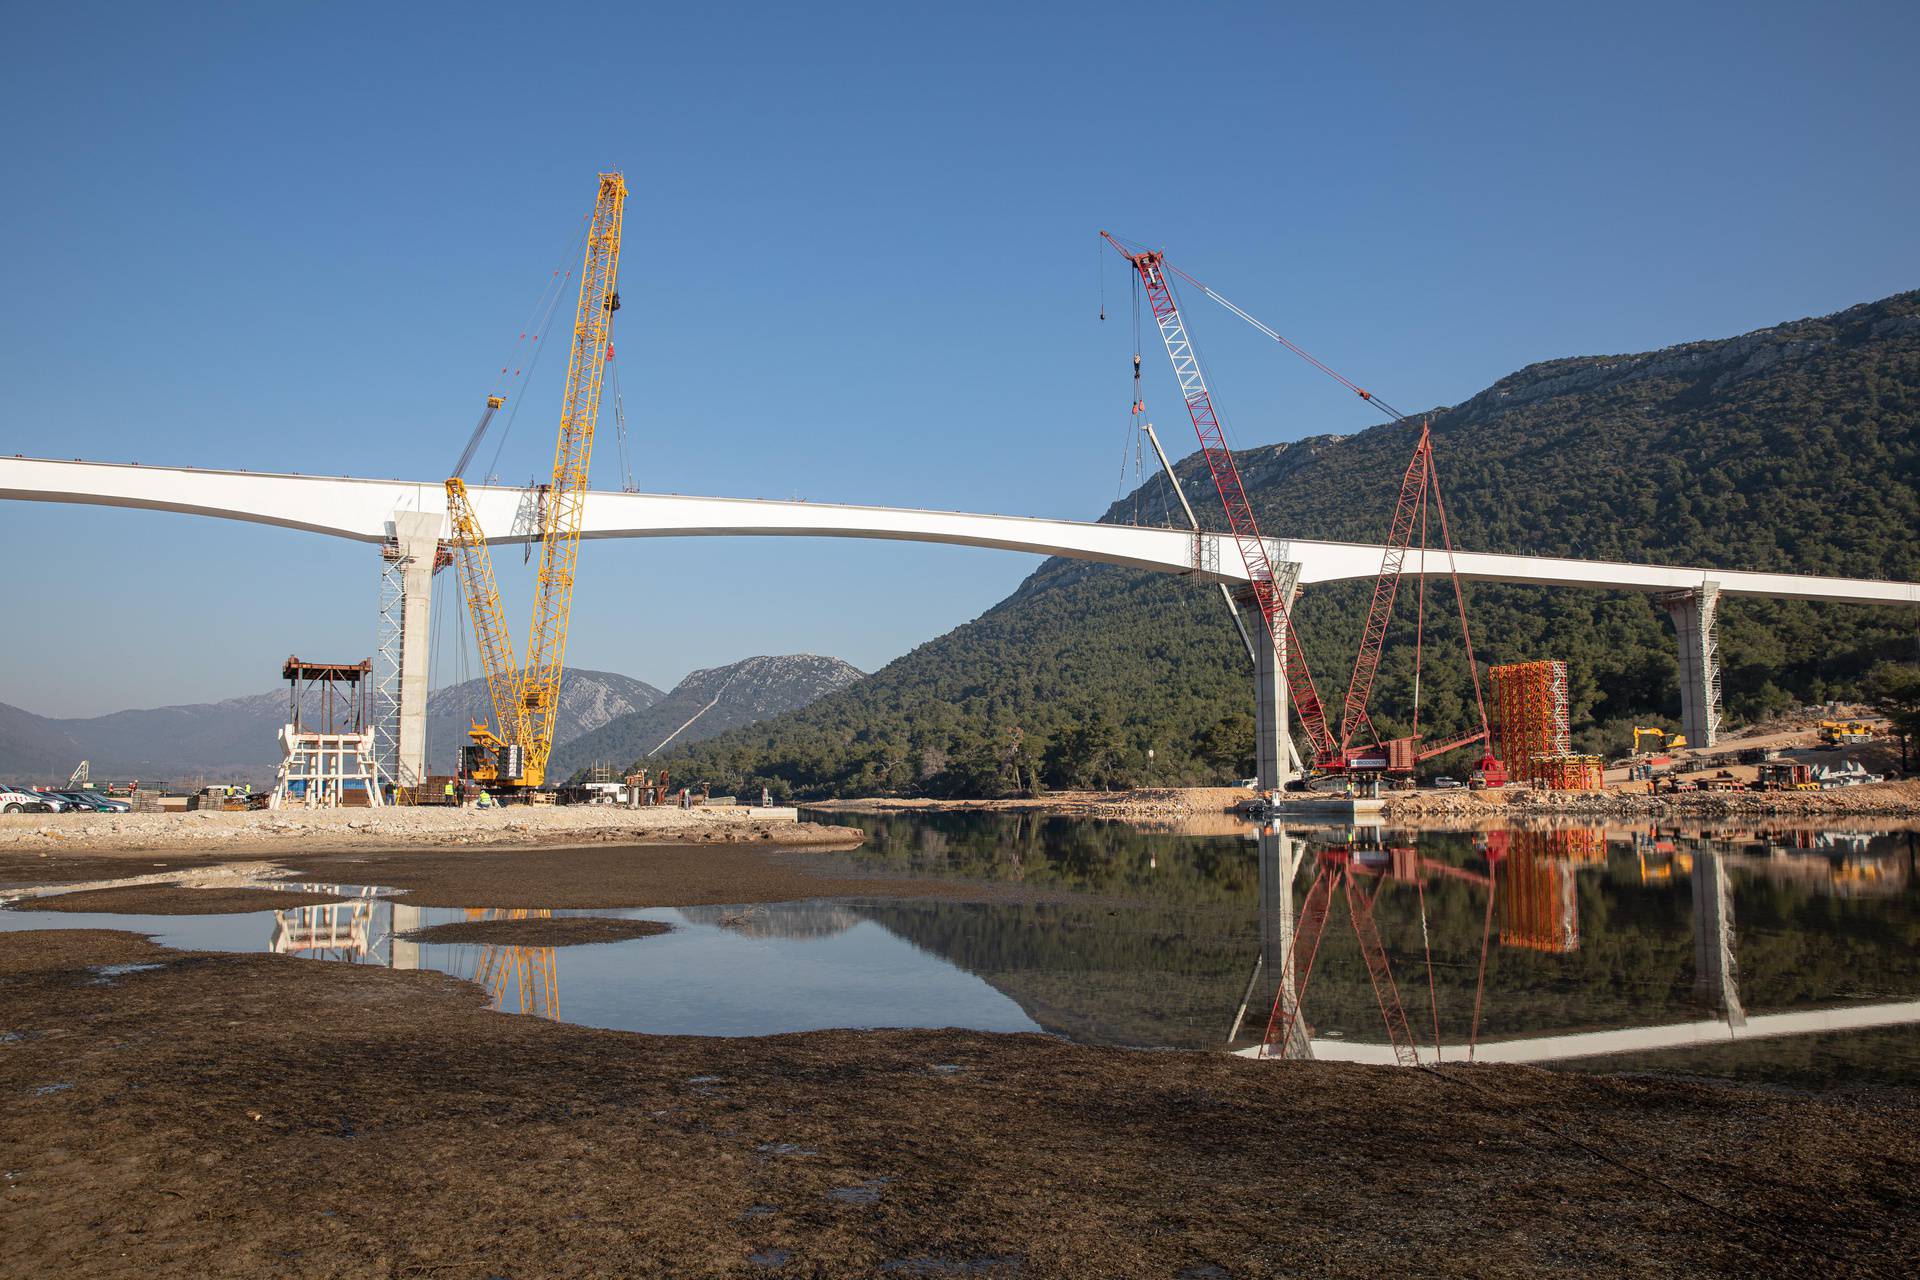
[[1267, 592]]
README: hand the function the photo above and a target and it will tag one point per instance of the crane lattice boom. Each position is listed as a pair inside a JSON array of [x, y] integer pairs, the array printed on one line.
[[1274, 610], [497, 657], [573, 451], [526, 697]]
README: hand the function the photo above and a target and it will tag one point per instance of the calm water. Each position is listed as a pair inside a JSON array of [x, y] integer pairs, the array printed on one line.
[[1732, 953]]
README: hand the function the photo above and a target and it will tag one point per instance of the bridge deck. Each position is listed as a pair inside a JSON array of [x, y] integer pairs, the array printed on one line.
[[362, 509]]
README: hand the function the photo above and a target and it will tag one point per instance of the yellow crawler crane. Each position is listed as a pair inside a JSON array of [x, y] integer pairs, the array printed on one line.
[[526, 697]]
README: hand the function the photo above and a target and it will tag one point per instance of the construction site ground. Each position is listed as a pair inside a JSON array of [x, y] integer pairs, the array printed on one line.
[[265, 829], [172, 1113]]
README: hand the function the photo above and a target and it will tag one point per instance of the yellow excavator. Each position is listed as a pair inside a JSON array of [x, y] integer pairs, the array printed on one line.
[[1662, 740], [512, 752]]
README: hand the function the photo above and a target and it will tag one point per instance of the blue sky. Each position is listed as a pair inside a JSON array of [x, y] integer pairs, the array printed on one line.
[[860, 266]]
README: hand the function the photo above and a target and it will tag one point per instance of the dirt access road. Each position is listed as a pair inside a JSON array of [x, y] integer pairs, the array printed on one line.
[[228, 1116]]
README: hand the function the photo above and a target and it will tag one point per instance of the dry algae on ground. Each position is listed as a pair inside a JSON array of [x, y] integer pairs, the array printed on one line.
[[224, 1116]]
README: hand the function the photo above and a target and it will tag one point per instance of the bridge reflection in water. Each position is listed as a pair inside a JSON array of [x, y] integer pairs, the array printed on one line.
[[1507, 946], [1534, 878]]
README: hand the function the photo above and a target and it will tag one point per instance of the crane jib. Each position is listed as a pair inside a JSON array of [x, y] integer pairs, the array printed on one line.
[[1275, 611], [526, 696]]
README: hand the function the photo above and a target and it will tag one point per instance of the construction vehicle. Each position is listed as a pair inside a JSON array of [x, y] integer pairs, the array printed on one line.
[[1345, 759], [1845, 733], [1785, 775], [512, 752], [1663, 740]]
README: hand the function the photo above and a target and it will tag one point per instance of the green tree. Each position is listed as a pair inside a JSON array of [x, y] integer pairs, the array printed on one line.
[[1893, 689]]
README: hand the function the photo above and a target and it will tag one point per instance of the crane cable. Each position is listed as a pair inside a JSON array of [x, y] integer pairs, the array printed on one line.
[[540, 325], [620, 423]]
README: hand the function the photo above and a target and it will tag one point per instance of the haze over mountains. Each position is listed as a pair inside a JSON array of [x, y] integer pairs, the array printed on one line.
[[1795, 447], [707, 703], [238, 737]]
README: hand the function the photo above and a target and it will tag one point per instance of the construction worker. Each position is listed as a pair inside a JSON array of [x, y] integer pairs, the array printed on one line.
[[449, 790]]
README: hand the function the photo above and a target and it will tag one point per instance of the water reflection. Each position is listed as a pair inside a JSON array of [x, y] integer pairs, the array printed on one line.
[[1721, 947], [1556, 944]]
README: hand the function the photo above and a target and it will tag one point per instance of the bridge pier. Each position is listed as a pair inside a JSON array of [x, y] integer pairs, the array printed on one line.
[[1276, 762], [411, 556], [1696, 626]]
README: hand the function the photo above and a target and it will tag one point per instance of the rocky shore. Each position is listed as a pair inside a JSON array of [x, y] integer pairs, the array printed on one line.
[[1884, 799]]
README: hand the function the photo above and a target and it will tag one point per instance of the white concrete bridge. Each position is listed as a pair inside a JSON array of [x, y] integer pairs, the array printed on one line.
[[410, 517]]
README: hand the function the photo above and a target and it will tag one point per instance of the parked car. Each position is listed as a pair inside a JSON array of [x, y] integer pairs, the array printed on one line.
[[91, 802], [1446, 784], [17, 800], [54, 800]]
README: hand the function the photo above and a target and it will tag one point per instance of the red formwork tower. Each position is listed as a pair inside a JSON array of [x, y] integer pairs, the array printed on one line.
[[1530, 717]]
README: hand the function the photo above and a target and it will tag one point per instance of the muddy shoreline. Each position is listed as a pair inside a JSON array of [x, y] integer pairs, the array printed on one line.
[[250, 1115]]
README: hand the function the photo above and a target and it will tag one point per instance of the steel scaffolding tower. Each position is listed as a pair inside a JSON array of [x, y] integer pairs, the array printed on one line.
[[386, 666]]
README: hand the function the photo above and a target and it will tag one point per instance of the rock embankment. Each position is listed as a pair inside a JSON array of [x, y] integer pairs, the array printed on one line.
[[397, 827], [1884, 799]]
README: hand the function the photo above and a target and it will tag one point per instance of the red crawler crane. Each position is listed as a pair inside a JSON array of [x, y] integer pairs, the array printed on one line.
[[1396, 755], [1268, 593]]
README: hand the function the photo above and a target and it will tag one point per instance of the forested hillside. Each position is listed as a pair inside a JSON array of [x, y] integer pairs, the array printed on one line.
[[1792, 448]]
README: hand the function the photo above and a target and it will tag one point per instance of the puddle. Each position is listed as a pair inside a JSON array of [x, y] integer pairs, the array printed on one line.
[[769, 1257], [104, 974], [1778, 954], [863, 1193]]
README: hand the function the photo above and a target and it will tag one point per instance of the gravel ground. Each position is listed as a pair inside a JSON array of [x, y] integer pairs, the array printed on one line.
[[373, 828], [227, 1116]]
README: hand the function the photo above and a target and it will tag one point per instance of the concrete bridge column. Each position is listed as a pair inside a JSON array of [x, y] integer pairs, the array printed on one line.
[[417, 537], [1696, 626], [1716, 972], [1276, 762]]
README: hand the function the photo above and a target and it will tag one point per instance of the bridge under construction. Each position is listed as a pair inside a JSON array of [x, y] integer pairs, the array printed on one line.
[[423, 526]]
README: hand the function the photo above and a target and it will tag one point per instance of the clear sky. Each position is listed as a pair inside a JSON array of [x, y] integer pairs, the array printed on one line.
[[860, 265]]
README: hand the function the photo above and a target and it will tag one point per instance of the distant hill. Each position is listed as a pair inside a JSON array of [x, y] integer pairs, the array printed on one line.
[[1795, 447], [706, 703], [239, 737], [589, 700]]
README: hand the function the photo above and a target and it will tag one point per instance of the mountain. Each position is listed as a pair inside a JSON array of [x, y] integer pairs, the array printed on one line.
[[706, 703], [589, 700], [239, 737], [1794, 448]]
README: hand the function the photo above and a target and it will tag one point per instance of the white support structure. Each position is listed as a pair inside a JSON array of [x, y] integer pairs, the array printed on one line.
[[1696, 627], [1276, 761], [416, 543], [318, 769]]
